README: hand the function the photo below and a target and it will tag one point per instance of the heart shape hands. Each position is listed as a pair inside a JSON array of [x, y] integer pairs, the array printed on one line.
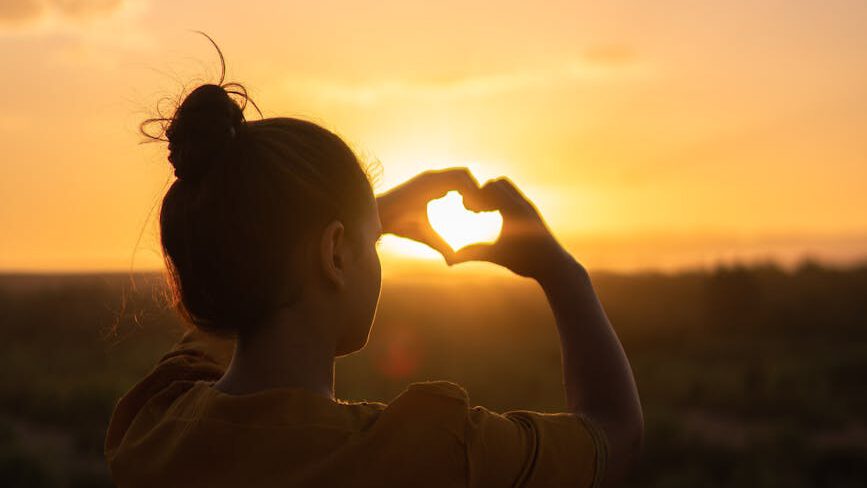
[[403, 211], [460, 227], [522, 242]]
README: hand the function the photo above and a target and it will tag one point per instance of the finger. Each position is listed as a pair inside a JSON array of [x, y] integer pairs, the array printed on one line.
[[508, 187], [435, 241], [522, 203], [421, 231], [494, 196], [486, 199], [473, 252], [435, 184]]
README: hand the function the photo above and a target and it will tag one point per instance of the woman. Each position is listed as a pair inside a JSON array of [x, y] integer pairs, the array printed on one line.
[[269, 234]]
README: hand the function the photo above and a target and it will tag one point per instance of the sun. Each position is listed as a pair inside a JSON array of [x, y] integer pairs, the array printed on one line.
[[460, 227]]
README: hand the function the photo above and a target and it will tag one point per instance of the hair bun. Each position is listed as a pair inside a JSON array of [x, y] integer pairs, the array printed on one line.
[[206, 121]]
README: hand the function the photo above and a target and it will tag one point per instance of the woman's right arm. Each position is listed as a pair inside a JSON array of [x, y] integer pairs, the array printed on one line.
[[597, 375]]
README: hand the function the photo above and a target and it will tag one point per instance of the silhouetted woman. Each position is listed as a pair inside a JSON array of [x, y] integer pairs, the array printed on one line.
[[269, 236]]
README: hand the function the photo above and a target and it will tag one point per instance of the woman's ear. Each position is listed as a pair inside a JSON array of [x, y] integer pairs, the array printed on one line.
[[333, 253]]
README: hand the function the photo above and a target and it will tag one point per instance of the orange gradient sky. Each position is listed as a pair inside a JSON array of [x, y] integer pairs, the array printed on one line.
[[650, 134]]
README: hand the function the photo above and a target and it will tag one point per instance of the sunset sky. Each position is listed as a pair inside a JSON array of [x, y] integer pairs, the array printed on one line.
[[650, 134]]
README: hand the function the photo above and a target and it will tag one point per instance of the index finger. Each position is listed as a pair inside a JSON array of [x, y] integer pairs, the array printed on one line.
[[494, 195], [435, 184]]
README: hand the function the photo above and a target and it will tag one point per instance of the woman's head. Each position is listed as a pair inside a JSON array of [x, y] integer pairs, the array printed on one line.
[[261, 214]]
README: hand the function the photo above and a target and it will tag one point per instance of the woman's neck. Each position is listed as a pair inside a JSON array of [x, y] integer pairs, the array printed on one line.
[[291, 350]]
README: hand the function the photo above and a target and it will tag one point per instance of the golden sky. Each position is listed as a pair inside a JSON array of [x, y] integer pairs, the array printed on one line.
[[650, 134]]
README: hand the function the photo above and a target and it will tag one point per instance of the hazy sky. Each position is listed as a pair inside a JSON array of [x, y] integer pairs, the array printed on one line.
[[643, 130]]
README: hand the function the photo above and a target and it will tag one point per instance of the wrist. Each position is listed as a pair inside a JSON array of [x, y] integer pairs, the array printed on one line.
[[560, 269]]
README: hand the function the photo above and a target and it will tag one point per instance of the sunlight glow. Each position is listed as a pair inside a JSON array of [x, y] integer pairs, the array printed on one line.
[[596, 118], [460, 227], [391, 245]]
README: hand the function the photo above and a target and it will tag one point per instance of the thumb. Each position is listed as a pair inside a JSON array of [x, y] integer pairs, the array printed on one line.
[[433, 240], [473, 252]]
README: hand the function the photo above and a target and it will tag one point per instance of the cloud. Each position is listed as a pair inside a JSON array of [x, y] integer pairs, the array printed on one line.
[[599, 64], [93, 30], [28, 14]]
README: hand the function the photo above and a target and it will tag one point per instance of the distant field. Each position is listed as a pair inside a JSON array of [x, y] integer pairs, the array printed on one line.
[[749, 376]]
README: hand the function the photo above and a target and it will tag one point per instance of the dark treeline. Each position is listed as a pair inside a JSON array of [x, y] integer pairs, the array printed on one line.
[[750, 376]]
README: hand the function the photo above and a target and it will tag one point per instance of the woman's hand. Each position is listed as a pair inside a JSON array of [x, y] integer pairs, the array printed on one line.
[[525, 245], [403, 210]]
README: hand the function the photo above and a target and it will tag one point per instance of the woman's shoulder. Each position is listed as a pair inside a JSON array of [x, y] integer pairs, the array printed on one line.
[[440, 389], [415, 394], [422, 406]]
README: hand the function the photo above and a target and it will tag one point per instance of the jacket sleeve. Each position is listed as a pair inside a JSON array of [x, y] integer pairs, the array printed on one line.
[[531, 449], [517, 448]]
